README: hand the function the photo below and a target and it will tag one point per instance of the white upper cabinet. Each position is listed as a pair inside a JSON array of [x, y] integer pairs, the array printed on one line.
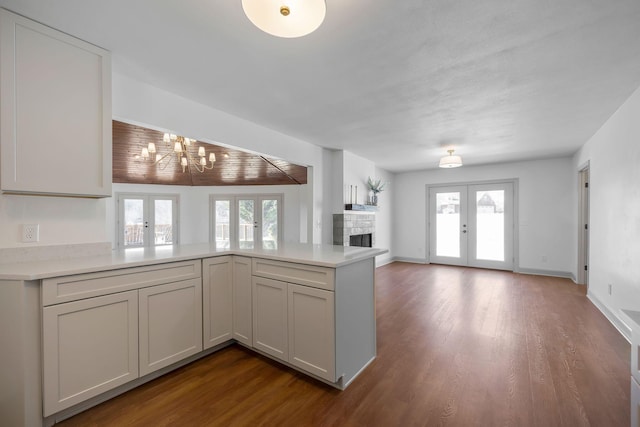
[[55, 111]]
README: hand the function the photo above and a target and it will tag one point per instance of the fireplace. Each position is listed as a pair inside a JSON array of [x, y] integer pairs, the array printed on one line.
[[354, 229], [363, 240]]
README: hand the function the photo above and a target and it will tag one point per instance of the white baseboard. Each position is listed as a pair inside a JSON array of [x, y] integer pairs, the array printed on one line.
[[409, 259], [552, 273], [617, 322], [384, 261]]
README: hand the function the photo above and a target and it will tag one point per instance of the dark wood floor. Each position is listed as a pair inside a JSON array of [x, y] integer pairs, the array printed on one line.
[[456, 347]]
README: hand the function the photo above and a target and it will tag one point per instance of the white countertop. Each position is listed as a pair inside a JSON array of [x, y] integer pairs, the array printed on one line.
[[320, 255]]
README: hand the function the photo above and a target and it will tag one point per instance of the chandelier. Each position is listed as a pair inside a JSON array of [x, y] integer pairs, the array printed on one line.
[[179, 149]]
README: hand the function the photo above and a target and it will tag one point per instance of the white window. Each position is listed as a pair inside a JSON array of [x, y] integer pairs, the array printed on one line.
[[147, 219], [246, 221]]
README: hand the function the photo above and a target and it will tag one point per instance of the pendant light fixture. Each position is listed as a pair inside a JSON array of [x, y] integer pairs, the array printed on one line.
[[451, 161], [179, 148], [285, 18]]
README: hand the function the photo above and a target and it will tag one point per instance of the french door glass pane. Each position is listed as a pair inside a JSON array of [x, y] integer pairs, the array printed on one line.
[[490, 225], [270, 224], [448, 224], [245, 224], [163, 222], [133, 222], [223, 208]]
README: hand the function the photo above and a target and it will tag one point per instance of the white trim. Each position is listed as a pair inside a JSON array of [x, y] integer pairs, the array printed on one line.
[[550, 273], [584, 176], [617, 323], [410, 259], [233, 223], [148, 215]]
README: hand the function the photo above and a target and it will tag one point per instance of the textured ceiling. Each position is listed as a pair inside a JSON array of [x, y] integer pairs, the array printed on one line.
[[396, 82]]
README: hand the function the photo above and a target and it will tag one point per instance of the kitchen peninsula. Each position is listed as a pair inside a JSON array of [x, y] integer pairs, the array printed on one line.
[[78, 331]]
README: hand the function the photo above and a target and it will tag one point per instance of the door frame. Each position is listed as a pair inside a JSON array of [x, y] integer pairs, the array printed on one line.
[[233, 205], [584, 187], [516, 214], [148, 200]]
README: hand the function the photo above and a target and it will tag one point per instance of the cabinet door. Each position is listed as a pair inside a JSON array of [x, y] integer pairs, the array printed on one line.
[[635, 403], [170, 323], [311, 330], [55, 111], [217, 296], [242, 302], [270, 317], [89, 347]]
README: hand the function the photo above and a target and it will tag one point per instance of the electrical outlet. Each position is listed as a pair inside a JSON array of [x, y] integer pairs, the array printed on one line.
[[610, 288], [544, 258], [30, 233]]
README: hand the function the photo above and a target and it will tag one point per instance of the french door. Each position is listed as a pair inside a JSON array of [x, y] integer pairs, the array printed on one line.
[[147, 220], [472, 225], [246, 221]]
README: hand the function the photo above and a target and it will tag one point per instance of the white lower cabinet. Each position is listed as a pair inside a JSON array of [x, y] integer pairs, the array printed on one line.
[[94, 344], [635, 403], [90, 346], [170, 323], [311, 330], [296, 324], [217, 297], [242, 300], [101, 330], [270, 313]]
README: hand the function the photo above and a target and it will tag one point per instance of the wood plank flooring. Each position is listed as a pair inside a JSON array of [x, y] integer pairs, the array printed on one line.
[[456, 347]]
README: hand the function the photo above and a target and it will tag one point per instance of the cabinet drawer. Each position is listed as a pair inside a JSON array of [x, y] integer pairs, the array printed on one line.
[[308, 275], [80, 286]]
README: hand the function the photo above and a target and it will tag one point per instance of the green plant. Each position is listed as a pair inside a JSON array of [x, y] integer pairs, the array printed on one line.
[[375, 186]]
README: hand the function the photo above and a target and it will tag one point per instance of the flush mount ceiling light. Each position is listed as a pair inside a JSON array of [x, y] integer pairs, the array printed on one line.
[[179, 148], [286, 18], [451, 161]]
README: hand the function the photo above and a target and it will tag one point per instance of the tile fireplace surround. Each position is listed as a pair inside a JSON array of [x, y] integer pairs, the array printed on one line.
[[352, 223]]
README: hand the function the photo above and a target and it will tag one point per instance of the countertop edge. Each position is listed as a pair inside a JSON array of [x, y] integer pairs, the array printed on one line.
[[93, 264]]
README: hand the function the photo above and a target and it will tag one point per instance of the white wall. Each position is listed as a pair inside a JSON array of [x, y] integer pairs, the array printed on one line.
[[194, 207], [385, 215], [62, 220], [351, 170], [146, 105], [546, 220], [614, 157]]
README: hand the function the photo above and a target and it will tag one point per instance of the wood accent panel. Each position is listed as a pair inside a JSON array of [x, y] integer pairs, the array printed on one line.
[[456, 346], [233, 167]]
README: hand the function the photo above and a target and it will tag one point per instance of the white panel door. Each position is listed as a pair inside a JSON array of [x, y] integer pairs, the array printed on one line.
[[449, 230], [491, 226], [170, 323], [472, 225], [89, 346], [311, 330], [242, 300], [246, 221], [147, 219], [270, 333], [217, 296]]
